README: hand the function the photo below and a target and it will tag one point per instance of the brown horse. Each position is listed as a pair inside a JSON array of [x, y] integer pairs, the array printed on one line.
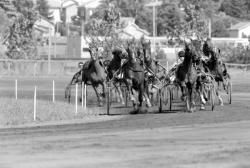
[[154, 73], [218, 69], [92, 73], [134, 76], [114, 70], [186, 76]]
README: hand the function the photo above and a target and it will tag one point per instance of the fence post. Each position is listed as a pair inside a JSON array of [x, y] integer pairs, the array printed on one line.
[[85, 96], [82, 94], [35, 104], [76, 99], [53, 91], [34, 69], [16, 89]]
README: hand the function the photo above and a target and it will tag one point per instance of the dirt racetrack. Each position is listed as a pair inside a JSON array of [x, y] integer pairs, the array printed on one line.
[[219, 138]]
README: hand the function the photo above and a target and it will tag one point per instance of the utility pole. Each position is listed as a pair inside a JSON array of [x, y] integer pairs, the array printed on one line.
[[154, 4], [209, 28], [49, 54]]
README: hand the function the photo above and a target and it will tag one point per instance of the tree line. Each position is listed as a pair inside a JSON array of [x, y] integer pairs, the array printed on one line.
[[174, 18]]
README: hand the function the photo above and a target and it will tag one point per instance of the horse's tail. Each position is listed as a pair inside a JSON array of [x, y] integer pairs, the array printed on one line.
[[73, 81], [68, 92]]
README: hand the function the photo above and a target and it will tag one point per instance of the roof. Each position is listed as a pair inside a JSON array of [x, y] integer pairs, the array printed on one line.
[[54, 3], [85, 3], [89, 3], [67, 3], [240, 26], [125, 21], [132, 30]]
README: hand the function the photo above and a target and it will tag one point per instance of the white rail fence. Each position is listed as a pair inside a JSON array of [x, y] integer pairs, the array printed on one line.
[[244, 67], [36, 88]]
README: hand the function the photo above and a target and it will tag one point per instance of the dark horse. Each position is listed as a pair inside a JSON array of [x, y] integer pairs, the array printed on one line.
[[134, 76], [114, 70], [186, 76], [154, 73], [218, 69], [92, 73]]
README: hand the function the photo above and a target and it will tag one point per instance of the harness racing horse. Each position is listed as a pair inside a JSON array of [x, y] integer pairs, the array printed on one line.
[[218, 69], [134, 77], [153, 74], [186, 76], [92, 73], [114, 70]]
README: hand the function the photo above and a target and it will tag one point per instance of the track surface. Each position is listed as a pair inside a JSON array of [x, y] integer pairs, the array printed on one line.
[[202, 139]]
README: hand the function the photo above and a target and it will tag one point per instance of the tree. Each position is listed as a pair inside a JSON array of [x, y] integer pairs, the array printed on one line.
[[219, 29], [108, 27], [4, 23], [8, 7], [43, 8], [129, 8], [168, 19], [20, 34], [234, 8]]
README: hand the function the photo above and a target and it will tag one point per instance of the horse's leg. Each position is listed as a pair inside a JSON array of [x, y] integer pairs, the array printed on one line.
[[81, 98], [69, 95], [200, 88], [128, 83], [187, 98], [202, 92], [120, 95], [183, 92], [104, 86], [98, 96], [119, 92], [192, 98], [68, 92], [219, 95], [140, 96], [146, 95]]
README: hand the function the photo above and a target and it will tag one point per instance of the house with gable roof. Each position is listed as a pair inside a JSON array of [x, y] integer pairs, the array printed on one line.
[[240, 30], [54, 11], [69, 9], [130, 30]]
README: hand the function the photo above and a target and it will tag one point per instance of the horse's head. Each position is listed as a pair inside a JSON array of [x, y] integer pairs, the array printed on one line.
[[131, 50], [119, 54], [146, 48], [215, 53], [190, 52]]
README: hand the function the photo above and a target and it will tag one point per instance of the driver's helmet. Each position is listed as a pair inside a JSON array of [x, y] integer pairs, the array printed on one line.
[[181, 54], [80, 65]]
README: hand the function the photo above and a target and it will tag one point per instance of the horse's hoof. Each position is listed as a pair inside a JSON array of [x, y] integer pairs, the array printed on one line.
[[203, 107], [192, 110], [221, 103], [203, 100], [183, 98], [135, 111], [101, 105]]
